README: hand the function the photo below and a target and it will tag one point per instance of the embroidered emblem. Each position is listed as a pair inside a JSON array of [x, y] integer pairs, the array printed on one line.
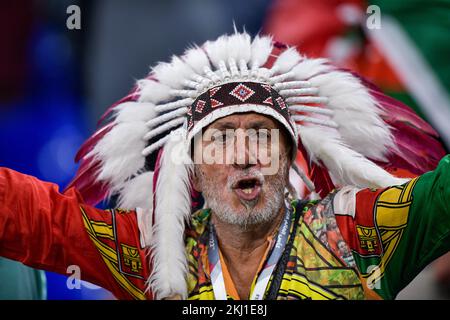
[[131, 258], [368, 239], [242, 92]]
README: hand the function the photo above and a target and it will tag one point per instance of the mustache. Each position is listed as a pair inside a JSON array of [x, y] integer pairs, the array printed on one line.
[[251, 173]]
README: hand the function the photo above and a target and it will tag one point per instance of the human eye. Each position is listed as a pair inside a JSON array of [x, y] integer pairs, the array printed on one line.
[[263, 134], [222, 137]]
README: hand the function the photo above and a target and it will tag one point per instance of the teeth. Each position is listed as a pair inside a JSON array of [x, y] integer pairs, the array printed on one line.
[[247, 190]]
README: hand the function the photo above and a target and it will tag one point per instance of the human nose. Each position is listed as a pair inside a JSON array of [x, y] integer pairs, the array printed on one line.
[[244, 153]]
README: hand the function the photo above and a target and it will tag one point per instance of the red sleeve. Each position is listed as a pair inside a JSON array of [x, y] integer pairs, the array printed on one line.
[[45, 229]]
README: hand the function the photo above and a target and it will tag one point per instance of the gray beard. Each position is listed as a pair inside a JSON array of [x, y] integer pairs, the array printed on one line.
[[249, 216]]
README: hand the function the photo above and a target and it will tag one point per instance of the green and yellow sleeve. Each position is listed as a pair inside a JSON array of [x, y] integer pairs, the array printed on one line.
[[397, 231]]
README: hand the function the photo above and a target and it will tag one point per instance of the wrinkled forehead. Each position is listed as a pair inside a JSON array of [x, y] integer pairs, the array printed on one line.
[[250, 121], [247, 120]]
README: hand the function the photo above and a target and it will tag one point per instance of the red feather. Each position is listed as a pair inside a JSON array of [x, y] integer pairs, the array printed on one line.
[[397, 111], [85, 182], [130, 97], [90, 143], [317, 173], [417, 148], [321, 179]]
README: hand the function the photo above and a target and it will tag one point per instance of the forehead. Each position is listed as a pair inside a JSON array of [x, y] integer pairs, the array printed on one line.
[[246, 121]]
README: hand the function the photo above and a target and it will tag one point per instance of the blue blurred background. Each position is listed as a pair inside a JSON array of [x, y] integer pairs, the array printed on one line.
[[55, 82]]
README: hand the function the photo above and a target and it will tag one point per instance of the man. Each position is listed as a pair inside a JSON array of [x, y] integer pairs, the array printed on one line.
[[203, 147]]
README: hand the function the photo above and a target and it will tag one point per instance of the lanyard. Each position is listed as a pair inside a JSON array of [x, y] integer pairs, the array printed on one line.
[[263, 279]]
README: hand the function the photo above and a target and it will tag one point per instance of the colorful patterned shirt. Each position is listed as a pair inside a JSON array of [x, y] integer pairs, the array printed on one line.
[[353, 244], [313, 271]]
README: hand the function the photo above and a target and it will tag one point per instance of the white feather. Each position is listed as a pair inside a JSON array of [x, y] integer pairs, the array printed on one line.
[[286, 60], [356, 113], [308, 68], [152, 91], [154, 146], [134, 111], [137, 193], [236, 46], [197, 59], [120, 153], [173, 209], [174, 73], [347, 166], [261, 50], [165, 117], [174, 105], [217, 50], [163, 127], [239, 47]]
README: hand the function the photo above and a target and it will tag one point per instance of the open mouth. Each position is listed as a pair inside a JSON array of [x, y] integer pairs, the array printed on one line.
[[247, 188]]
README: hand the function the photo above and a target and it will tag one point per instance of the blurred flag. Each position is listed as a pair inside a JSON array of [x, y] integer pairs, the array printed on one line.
[[406, 56]]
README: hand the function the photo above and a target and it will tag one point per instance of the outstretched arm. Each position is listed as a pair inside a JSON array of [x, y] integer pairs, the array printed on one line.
[[45, 229], [395, 232]]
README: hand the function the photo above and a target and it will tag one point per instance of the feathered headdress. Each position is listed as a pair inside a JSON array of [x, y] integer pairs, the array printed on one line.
[[348, 131]]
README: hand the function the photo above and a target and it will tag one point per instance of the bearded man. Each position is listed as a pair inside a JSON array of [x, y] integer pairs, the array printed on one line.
[[199, 158]]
